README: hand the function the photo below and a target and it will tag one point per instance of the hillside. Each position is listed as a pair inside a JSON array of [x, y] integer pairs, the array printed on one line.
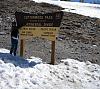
[[79, 36]]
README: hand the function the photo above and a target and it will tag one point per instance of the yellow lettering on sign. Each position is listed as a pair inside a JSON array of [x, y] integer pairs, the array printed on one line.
[[48, 17], [33, 17]]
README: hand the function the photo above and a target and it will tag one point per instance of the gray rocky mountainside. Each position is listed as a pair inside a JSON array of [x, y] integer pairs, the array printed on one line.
[[78, 38]]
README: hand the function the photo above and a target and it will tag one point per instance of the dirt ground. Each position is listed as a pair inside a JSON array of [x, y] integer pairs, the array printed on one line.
[[78, 37]]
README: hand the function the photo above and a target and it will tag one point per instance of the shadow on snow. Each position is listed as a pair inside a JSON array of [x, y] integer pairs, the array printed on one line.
[[16, 60]]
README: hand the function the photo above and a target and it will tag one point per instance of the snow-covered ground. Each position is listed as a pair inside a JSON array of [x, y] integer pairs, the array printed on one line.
[[70, 74], [32, 73], [92, 10]]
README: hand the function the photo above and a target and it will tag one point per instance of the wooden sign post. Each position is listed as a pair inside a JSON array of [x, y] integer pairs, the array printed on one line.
[[39, 25], [21, 47], [53, 52]]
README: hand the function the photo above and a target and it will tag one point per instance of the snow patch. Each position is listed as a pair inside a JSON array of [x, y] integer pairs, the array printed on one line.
[[2, 50], [70, 74], [92, 10]]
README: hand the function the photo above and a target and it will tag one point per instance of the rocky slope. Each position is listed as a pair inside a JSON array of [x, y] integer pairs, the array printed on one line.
[[79, 36]]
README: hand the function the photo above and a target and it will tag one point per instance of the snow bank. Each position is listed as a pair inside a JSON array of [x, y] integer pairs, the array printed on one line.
[[2, 50], [92, 10], [70, 74]]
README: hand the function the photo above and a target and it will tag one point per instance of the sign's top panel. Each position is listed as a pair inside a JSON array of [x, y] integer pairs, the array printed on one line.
[[39, 20]]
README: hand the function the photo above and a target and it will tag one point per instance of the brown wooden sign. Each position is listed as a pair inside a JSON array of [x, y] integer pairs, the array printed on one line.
[[39, 25], [39, 20]]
